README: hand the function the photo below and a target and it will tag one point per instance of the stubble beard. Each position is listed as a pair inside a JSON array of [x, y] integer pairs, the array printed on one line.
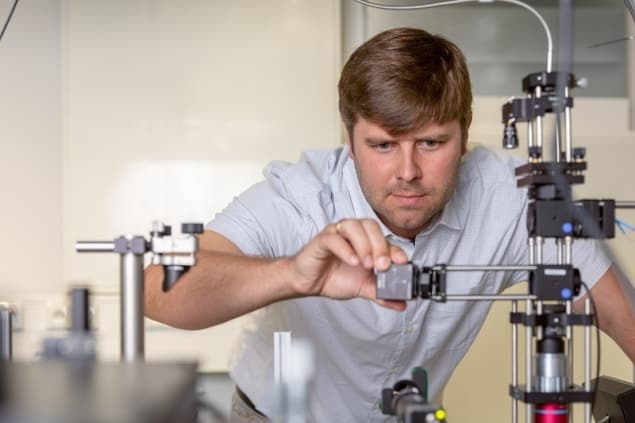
[[409, 221]]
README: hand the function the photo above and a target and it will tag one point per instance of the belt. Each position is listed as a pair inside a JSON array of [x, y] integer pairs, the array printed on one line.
[[247, 401]]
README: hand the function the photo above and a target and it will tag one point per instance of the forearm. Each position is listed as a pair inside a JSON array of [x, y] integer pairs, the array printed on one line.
[[621, 328], [614, 298], [218, 288]]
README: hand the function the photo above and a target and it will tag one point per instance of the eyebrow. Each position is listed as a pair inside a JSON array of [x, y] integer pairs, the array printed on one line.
[[374, 140], [442, 136]]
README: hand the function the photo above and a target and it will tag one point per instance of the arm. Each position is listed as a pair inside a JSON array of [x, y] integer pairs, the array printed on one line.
[[224, 284], [616, 309]]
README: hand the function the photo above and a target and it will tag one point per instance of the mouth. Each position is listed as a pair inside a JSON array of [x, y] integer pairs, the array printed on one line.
[[408, 199]]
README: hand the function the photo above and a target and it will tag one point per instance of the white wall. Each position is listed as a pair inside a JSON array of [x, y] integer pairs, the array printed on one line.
[[123, 112], [31, 154]]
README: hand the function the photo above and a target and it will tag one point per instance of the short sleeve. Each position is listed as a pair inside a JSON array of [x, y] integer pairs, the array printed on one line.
[[261, 222]]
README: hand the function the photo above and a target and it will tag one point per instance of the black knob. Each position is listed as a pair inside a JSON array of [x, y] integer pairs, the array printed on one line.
[[510, 137], [172, 273], [192, 228], [535, 152], [579, 153], [166, 230]]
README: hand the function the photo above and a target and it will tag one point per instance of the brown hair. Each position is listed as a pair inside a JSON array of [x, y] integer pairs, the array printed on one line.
[[403, 78]]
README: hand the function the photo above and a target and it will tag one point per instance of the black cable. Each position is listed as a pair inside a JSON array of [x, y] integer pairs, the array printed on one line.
[[596, 321], [15, 3]]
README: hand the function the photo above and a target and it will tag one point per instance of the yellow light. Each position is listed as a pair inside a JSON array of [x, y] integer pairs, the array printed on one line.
[[440, 414]]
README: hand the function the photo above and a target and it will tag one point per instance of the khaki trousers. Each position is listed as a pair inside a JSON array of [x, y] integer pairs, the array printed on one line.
[[241, 412]]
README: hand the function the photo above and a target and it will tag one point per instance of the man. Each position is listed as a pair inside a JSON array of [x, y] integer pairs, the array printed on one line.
[[404, 187]]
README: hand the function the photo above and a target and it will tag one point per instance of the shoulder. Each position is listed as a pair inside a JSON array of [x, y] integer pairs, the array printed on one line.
[[489, 165], [310, 185], [314, 167], [487, 183]]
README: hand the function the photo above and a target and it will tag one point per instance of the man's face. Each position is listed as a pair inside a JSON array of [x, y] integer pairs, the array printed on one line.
[[409, 178]]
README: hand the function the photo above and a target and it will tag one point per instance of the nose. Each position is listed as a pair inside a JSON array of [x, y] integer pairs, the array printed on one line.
[[409, 169]]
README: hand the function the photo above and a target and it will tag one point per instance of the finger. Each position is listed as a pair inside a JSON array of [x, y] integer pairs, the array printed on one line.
[[355, 234], [380, 247], [331, 243], [398, 255], [392, 304]]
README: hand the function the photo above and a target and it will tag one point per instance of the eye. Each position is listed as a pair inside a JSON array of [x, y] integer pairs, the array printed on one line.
[[383, 146], [430, 144]]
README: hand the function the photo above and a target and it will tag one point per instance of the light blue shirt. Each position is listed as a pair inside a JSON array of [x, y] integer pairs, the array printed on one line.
[[361, 347]]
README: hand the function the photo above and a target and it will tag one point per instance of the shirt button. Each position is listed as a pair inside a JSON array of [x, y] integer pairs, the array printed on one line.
[[408, 328]]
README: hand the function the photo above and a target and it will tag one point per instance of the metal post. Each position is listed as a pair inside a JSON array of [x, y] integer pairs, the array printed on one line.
[[530, 132], [568, 249], [587, 360], [538, 94], [532, 250], [569, 334], [80, 310], [539, 331], [6, 332], [558, 148], [132, 325], [568, 136], [569, 310], [514, 363], [539, 245], [281, 354], [528, 357]]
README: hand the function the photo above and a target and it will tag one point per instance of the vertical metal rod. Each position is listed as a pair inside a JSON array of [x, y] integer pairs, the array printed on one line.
[[568, 249], [80, 310], [569, 334], [568, 136], [532, 250], [6, 332], [514, 363], [530, 131], [528, 358], [560, 250], [281, 355], [132, 327], [587, 361], [539, 334], [538, 94], [558, 148], [539, 245]]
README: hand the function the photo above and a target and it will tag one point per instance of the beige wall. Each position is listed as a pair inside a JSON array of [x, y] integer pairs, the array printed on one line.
[[118, 113]]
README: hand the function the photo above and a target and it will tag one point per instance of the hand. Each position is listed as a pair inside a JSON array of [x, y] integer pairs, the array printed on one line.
[[339, 262]]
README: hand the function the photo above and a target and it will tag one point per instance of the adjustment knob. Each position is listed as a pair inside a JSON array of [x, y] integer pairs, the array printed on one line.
[[192, 228]]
